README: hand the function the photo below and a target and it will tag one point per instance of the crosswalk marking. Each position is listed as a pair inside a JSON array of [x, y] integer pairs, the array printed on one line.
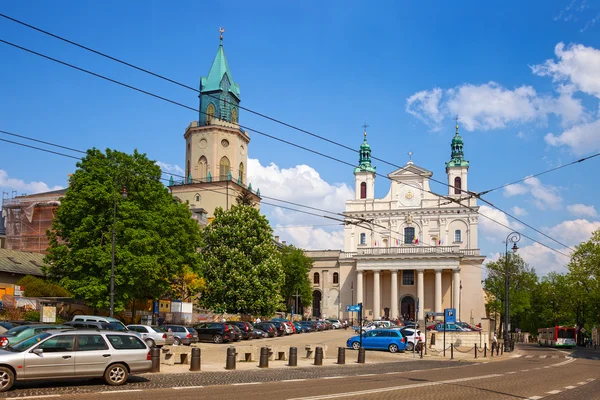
[[528, 356], [534, 398], [570, 387], [554, 356], [544, 356], [554, 392]]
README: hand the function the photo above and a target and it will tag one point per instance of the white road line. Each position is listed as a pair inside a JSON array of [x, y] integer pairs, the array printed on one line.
[[367, 375], [590, 379], [524, 370], [391, 373], [570, 387], [394, 388], [333, 377], [543, 356], [42, 396], [516, 355], [534, 398], [529, 356], [554, 392], [248, 383], [121, 391], [512, 372], [293, 380], [554, 356], [186, 387]]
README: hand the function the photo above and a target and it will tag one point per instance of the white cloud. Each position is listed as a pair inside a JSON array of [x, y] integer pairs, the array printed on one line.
[[174, 168], [577, 65], [24, 187], [581, 210], [425, 105], [544, 196], [574, 231], [301, 184], [582, 139], [519, 212], [491, 230], [544, 260]]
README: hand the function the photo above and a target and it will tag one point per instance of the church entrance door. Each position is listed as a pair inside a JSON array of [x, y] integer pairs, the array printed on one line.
[[407, 307], [316, 305]]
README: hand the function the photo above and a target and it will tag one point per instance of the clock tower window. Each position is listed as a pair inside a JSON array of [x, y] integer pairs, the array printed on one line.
[[363, 190], [457, 185]]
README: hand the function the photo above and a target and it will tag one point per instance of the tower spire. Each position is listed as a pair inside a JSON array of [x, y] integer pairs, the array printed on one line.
[[364, 160], [457, 156]]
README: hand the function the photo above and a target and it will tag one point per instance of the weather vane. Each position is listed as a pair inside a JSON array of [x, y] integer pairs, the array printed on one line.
[[222, 31], [365, 126]]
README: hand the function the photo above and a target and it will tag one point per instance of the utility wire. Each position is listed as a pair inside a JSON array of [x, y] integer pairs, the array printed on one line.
[[280, 140]]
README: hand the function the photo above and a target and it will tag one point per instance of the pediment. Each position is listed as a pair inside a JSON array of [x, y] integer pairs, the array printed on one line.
[[410, 171]]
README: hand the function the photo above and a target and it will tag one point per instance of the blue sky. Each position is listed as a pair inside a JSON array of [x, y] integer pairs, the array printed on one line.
[[522, 76]]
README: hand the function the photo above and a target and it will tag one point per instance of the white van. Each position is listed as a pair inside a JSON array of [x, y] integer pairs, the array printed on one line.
[[118, 325]]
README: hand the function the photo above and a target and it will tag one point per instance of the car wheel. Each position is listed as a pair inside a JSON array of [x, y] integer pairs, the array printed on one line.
[[393, 348], [356, 345], [217, 339], [177, 342], [410, 346], [150, 343], [7, 379], [116, 375]]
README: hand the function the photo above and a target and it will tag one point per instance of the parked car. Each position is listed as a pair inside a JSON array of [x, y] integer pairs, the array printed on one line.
[[267, 327], [469, 327], [5, 326], [237, 332], [289, 327], [246, 329], [259, 334], [153, 335], [279, 326], [97, 318], [108, 326], [311, 324], [20, 333], [379, 339], [183, 335], [73, 354], [449, 328], [216, 332], [410, 334], [337, 324]]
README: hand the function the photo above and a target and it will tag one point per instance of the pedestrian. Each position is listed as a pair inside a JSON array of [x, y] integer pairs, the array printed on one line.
[[494, 342], [223, 320], [160, 321], [258, 320]]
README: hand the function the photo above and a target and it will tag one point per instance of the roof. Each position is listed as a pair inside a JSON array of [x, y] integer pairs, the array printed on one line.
[[21, 262], [219, 68], [42, 194]]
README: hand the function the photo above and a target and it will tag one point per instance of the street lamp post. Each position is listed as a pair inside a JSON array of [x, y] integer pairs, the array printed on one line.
[[512, 237], [112, 265]]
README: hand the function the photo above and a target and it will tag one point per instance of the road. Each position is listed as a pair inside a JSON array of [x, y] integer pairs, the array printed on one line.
[[532, 373]]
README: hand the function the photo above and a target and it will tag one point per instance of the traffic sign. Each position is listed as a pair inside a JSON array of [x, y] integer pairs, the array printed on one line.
[[353, 307], [450, 315]]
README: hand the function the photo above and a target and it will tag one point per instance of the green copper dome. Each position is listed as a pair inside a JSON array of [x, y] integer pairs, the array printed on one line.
[[364, 160], [457, 157]]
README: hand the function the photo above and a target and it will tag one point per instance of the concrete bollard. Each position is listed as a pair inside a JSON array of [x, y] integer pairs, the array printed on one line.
[[341, 355], [475, 350], [230, 361], [195, 362], [433, 339], [264, 358], [484, 350], [155, 357], [319, 356], [361, 355], [452, 351], [293, 361]]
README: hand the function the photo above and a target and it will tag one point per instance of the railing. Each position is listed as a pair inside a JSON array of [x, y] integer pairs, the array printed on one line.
[[375, 251], [347, 254], [469, 252]]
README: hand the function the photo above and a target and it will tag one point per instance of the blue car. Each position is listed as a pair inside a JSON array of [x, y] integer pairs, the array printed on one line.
[[379, 339]]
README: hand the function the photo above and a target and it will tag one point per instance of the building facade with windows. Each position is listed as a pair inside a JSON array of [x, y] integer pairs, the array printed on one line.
[[216, 156], [411, 247]]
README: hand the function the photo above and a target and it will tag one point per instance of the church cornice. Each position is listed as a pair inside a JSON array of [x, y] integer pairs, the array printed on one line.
[[193, 130]]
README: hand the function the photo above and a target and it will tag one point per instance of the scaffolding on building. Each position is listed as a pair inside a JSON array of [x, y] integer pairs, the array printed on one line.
[[28, 218]]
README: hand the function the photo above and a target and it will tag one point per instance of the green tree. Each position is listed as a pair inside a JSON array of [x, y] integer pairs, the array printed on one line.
[[37, 287], [155, 235], [296, 267], [241, 264], [245, 198], [522, 281]]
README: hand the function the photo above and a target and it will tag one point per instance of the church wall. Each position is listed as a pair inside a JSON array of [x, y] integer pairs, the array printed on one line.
[[472, 302], [429, 279]]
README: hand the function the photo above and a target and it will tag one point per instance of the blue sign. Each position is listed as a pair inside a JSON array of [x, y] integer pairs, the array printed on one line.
[[353, 307], [156, 307], [450, 314]]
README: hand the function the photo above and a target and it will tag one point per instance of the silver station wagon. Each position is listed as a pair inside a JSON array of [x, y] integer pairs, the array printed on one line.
[[69, 354]]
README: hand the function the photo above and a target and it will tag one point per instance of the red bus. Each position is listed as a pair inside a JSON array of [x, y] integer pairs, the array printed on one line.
[[557, 336]]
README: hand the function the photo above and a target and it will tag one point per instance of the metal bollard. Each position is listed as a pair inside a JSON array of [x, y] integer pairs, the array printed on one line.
[[452, 351], [230, 362], [484, 350], [341, 355], [264, 358], [475, 350], [195, 362], [319, 356], [293, 362], [433, 339], [361, 355], [500, 348], [155, 357]]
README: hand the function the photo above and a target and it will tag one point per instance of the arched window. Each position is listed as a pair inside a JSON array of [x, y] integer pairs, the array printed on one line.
[[457, 236], [197, 197], [409, 235], [224, 168], [336, 277], [234, 117], [241, 173], [363, 190], [363, 238], [202, 169], [316, 278], [457, 187], [210, 113]]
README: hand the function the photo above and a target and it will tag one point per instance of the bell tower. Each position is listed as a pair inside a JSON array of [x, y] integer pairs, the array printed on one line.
[[457, 168], [364, 174]]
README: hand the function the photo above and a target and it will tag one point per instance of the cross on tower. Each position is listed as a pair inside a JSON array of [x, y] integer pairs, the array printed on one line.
[[365, 126], [222, 31]]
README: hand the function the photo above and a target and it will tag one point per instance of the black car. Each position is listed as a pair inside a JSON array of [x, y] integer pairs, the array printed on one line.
[[279, 327], [216, 332], [237, 332], [247, 330], [266, 327]]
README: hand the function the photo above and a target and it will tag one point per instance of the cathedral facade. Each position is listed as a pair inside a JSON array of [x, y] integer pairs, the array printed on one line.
[[408, 253]]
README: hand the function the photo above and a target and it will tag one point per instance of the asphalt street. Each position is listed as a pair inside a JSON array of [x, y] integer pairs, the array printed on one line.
[[531, 373]]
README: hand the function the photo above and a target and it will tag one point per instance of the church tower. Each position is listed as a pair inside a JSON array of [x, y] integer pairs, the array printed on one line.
[[457, 168], [364, 174]]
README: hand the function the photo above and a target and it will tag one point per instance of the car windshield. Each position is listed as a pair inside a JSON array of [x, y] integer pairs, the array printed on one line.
[[26, 344], [158, 329], [16, 330], [116, 326]]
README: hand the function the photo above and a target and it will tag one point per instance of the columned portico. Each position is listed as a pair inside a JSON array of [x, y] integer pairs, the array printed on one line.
[[394, 311], [456, 292], [376, 295], [359, 287], [420, 294], [438, 291]]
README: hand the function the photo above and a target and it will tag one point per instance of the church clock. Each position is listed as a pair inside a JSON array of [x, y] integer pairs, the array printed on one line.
[[409, 196]]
